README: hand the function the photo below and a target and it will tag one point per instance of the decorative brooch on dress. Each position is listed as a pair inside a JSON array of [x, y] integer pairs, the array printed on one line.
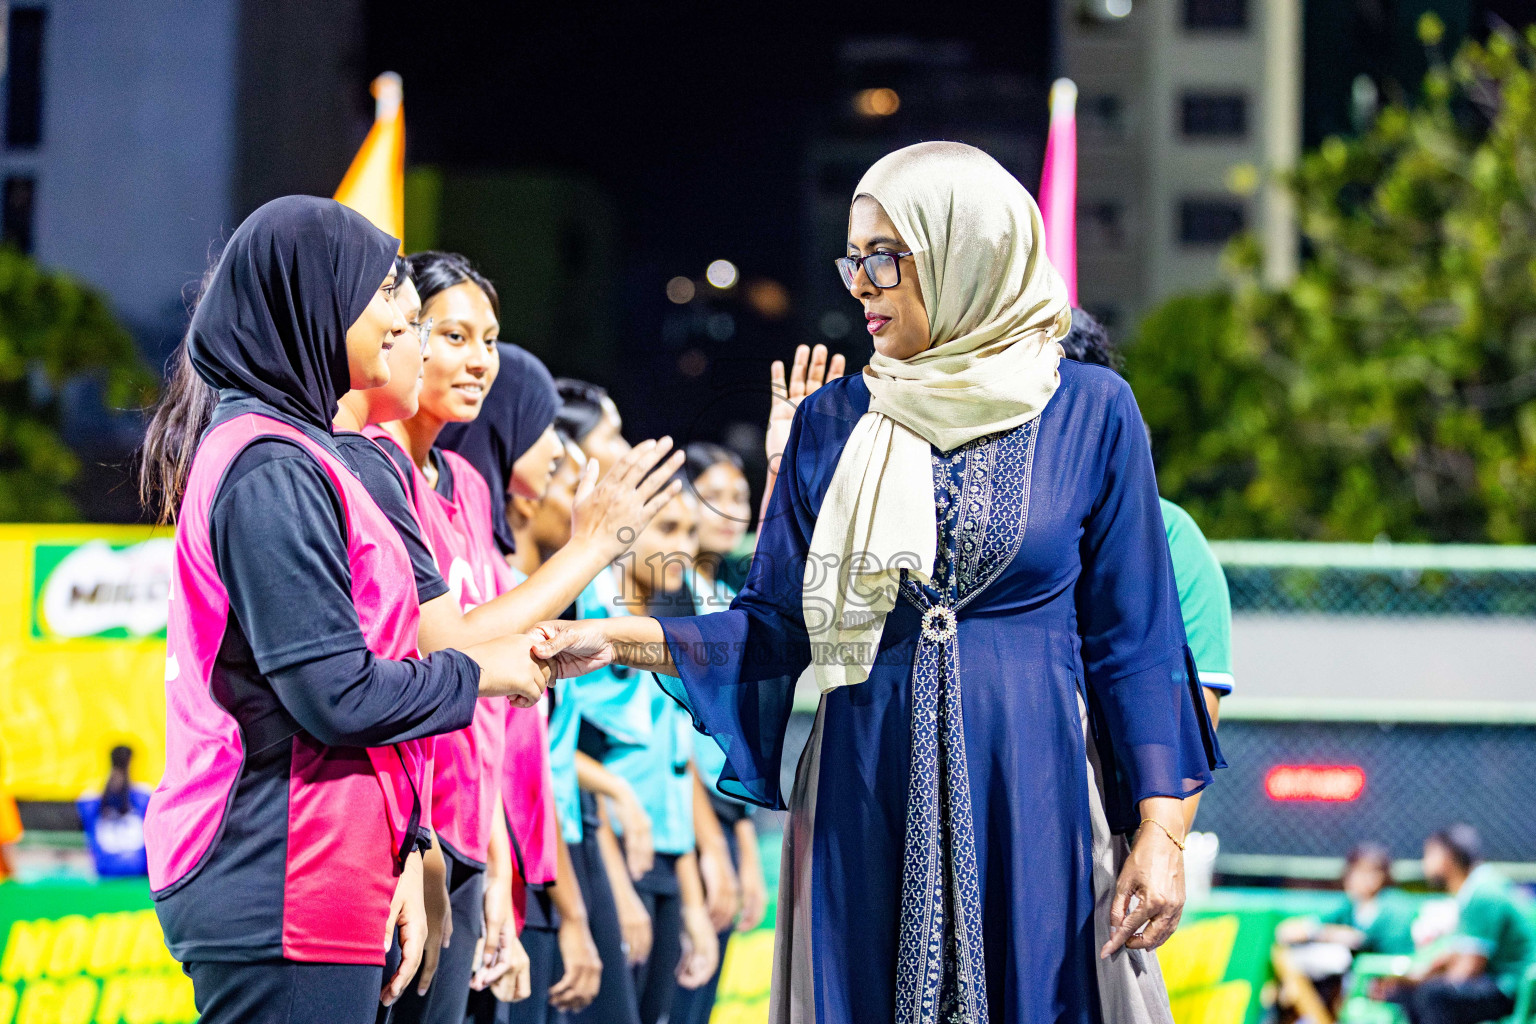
[[939, 624]]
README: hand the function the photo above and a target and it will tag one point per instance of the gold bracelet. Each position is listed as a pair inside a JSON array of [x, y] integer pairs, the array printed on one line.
[[1150, 821]]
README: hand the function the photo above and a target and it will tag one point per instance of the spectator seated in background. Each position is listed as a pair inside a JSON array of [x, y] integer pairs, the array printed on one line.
[[1375, 916], [113, 821], [1476, 975]]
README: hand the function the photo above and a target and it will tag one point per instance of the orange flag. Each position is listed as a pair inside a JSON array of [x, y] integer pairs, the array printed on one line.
[[374, 185]]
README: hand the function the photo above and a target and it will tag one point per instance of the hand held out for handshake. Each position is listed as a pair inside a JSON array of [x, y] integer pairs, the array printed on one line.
[[508, 668], [572, 648]]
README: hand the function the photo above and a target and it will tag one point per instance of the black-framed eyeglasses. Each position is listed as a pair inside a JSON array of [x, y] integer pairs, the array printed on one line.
[[883, 268]]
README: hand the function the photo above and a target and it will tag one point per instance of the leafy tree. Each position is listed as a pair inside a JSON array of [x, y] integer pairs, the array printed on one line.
[[51, 329], [1390, 390]]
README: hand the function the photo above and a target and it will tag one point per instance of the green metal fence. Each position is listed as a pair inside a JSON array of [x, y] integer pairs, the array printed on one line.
[[1380, 579]]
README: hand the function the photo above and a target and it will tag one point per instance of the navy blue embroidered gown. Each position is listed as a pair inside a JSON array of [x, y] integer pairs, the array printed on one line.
[[939, 860]]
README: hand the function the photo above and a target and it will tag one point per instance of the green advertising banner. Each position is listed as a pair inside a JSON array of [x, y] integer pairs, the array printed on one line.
[[87, 953], [1217, 965], [101, 589]]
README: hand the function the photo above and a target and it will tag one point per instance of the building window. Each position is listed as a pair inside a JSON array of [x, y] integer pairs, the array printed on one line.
[[1214, 116], [1226, 15], [1103, 225], [1210, 221], [16, 222], [24, 78], [1102, 114]]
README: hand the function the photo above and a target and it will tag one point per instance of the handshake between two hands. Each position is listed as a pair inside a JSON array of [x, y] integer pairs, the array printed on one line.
[[522, 666], [620, 504]]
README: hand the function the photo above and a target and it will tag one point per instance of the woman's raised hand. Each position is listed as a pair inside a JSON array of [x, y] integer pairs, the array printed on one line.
[[612, 512], [810, 371]]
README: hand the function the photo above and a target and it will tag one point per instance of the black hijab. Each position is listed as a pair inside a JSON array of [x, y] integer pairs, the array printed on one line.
[[518, 409], [273, 321]]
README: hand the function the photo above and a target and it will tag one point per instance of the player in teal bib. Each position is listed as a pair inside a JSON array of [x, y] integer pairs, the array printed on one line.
[[644, 737], [1204, 600]]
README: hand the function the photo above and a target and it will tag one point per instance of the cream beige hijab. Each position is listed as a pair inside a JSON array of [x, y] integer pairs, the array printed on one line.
[[996, 308]]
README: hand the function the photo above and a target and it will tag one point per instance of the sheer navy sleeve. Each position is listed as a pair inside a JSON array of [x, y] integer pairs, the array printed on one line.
[[1150, 718], [738, 668]]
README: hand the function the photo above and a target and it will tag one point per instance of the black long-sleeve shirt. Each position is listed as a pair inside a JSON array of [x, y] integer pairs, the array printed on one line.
[[279, 540], [293, 659]]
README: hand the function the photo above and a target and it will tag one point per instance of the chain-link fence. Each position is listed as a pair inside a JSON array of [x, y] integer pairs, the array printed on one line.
[[1368, 579], [1421, 770], [1257, 588], [1419, 777]]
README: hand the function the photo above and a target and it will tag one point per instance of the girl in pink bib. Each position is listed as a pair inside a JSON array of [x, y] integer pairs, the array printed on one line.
[[458, 511], [282, 840]]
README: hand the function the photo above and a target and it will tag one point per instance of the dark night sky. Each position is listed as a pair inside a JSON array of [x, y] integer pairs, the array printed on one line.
[[693, 118], [691, 115]]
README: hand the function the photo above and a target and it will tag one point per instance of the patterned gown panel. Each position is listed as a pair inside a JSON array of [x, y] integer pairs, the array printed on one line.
[[981, 500]]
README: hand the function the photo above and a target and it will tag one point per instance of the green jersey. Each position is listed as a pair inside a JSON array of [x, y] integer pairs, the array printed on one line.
[[1203, 597], [1493, 923], [1387, 922]]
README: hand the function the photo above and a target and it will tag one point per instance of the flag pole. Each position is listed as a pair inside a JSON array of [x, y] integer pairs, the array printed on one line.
[[1058, 184]]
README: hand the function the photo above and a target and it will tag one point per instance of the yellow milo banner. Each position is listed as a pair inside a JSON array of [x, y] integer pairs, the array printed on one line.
[[87, 953], [82, 655], [1195, 961]]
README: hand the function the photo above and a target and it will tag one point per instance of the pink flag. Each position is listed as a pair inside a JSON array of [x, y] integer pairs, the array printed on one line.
[[1058, 184]]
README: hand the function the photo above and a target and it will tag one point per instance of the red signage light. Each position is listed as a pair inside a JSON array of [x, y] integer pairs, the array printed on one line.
[[1329, 783]]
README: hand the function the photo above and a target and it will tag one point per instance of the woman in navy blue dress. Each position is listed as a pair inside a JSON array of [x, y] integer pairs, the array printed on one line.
[[1005, 685]]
